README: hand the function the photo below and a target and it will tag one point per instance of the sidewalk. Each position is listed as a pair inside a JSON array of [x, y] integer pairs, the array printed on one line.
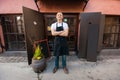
[[107, 67], [13, 56]]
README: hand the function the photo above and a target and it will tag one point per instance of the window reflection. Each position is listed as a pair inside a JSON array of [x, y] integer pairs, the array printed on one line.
[[111, 32], [13, 29]]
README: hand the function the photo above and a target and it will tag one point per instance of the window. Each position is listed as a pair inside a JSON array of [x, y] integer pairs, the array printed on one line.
[[111, 38], [13, 29]]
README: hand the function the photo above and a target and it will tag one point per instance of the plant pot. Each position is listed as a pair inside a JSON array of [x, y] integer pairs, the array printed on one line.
[[38, 65]]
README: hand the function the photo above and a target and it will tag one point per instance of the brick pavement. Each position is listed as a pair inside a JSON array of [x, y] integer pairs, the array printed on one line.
[[21, 56], [13, 56], [106, 68]]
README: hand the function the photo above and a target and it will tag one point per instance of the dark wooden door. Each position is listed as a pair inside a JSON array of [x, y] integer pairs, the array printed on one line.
[[34, 29], [90, 34]]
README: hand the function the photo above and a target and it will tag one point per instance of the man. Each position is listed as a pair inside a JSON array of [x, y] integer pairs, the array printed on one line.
[[60, 30]]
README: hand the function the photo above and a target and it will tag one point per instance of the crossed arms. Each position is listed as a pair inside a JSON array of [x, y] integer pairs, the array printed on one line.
[[60, 33]]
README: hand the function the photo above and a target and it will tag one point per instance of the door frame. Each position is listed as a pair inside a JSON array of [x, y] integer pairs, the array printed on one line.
[[75, 15]]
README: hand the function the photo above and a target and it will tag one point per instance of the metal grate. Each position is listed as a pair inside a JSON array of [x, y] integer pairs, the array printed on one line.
[[13, 30], [111, 38]]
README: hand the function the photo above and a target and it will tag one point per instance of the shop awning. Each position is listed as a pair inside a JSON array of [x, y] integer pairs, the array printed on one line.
[[68, 6]]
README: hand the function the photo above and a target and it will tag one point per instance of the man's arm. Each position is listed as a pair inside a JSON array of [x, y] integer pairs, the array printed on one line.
[[55, 33], [64, 33]]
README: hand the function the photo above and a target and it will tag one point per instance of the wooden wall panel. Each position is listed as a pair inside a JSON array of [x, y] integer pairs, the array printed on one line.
[[87, 23]]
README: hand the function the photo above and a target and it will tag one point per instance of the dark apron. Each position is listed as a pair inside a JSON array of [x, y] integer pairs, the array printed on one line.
[[61, 46]]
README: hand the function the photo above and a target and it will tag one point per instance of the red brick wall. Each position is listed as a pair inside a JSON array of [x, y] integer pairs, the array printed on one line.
[[110, 7], [15, 6]]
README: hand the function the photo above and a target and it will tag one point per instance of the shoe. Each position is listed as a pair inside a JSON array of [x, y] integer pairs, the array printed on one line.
[[55, 69], [65, 70]]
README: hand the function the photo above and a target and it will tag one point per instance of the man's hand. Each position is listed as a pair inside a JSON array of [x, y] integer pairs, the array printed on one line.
[[64, 33], [55, 33]]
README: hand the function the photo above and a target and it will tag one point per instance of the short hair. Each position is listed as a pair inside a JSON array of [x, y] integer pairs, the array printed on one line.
[[59, 13]]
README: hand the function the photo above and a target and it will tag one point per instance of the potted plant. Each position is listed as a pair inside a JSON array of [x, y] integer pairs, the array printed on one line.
[[38, 60]]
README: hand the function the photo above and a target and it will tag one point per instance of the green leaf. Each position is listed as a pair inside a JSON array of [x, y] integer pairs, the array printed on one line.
[[38, 53]]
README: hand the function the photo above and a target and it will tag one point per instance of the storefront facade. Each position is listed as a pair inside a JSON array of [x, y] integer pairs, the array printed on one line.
[[111, 13], [12, 23], [14, 28]]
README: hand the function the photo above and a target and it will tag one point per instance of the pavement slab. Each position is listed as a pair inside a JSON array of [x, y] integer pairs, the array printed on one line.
[[107, 67]]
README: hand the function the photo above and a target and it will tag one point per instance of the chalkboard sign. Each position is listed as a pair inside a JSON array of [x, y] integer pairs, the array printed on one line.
[[44, 47]]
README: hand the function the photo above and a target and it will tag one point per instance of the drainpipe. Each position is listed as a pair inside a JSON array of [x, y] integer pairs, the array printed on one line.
[[37, 4], [86, 1]]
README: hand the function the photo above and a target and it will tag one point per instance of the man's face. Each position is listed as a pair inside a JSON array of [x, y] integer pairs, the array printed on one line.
[[59, 16]]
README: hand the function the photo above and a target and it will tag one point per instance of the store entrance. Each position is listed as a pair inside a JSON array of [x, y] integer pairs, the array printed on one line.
[[72, 20]]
